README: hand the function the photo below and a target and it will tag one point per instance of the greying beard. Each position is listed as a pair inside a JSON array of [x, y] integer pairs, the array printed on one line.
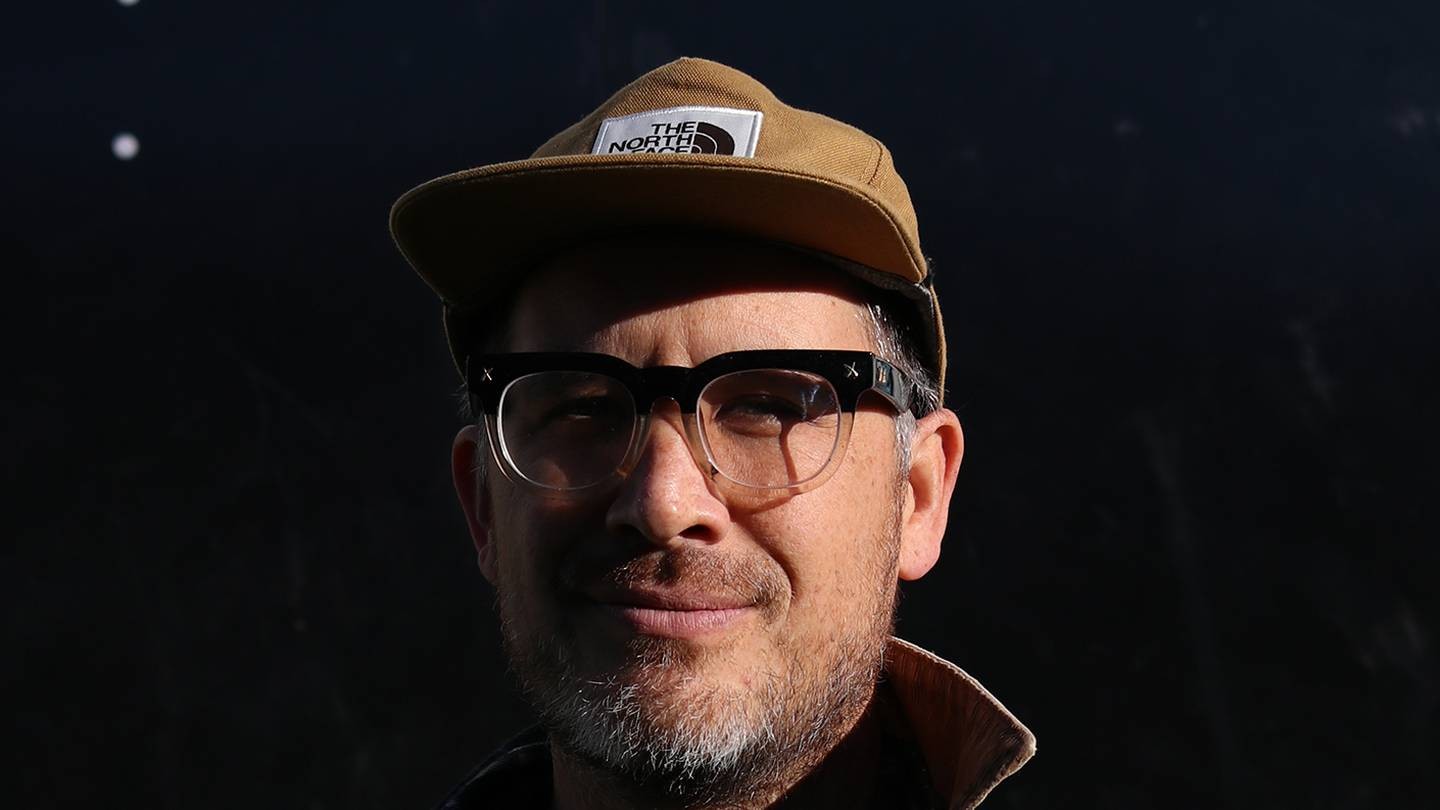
[[711, 747], [720, 745]]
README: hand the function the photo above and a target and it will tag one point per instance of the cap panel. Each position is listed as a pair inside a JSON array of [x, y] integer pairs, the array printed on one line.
[[822, 145], [788, 136], [684, 82], [889, 185]]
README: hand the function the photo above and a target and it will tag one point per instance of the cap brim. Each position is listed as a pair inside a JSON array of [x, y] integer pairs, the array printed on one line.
[[467, 233], [472, 234]]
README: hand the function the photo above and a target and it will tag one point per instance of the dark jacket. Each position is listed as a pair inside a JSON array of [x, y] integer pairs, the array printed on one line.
[[951, 743]]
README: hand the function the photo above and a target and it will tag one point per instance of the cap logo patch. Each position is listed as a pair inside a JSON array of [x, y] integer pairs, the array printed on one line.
[[682, 130]]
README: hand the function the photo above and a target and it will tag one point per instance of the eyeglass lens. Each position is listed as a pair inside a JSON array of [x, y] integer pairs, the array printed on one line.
[[761, 427], [769, 428], [566, 429]]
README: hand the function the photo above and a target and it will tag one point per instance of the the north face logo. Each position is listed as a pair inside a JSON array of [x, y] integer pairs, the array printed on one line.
[[690, 137], [681, 130]]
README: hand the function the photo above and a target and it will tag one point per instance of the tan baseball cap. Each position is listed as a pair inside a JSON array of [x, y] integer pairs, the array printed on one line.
[[691, 145]]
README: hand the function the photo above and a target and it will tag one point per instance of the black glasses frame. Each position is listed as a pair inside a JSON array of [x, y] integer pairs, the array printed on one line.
[[851, 374]]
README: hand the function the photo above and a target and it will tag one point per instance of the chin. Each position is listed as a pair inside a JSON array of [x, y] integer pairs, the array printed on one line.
[[694, 722], [670, 685], [670, 728]]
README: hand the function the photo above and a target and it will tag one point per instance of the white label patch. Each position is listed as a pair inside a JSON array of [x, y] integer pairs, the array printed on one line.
[[682, 130]]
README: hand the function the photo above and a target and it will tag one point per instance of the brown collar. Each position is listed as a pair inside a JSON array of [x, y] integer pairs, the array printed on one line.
[[970, 742]]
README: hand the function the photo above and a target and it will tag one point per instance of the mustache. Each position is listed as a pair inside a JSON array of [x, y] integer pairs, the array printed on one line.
[[755, 579]]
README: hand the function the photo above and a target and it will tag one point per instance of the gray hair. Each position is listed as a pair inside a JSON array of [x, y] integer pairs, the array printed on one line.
[[891, 343], [894, 346]]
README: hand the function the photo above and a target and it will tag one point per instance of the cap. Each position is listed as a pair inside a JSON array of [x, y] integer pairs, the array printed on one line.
[[693, 144]]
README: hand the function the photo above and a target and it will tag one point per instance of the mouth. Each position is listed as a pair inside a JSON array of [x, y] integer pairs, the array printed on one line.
[[671, 613]]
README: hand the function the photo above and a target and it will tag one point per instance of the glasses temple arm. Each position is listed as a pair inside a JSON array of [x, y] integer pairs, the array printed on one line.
[[893, 384]]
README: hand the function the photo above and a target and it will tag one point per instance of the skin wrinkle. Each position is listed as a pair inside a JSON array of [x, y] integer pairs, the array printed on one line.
[[670, 722]]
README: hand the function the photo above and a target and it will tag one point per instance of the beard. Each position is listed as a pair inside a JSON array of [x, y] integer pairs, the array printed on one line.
[[659, 723]]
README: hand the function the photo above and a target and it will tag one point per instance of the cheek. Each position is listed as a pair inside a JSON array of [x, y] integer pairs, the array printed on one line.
[[531, 536], [838, 543]]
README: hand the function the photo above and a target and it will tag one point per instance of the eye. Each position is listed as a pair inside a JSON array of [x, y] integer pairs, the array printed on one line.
[[581, 408], [773, 411], [556, 404], [768, 403], [762, 406]]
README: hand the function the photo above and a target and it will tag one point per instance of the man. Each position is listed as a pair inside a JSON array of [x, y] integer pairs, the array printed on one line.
[[703, 352]]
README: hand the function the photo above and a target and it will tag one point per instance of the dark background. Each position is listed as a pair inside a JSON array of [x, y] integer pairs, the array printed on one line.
[[1188, 254]]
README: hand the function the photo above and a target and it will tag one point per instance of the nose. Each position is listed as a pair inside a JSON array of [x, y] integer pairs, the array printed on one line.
[[667, 497]]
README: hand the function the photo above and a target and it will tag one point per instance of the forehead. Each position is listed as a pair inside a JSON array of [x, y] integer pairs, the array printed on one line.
[[683, 298]]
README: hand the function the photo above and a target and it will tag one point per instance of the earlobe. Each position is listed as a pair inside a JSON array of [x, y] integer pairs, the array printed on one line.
[[466, 458], [935, 462]]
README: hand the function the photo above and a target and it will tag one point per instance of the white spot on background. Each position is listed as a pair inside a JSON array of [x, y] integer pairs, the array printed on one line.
[[128, 2], [125, 146], [1410, 121]]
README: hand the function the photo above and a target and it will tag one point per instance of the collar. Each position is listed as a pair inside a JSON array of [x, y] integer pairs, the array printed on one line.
[[970, 741]]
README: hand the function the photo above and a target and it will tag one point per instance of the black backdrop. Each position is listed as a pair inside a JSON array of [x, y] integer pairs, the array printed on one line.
[[1188, 254]]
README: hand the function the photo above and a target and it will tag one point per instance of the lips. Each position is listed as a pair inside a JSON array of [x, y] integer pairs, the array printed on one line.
[[674, 599], [679, 623], [673, 613], [680, 592]]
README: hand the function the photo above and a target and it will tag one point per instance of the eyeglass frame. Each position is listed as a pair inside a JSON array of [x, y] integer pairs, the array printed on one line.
[[851, 374]]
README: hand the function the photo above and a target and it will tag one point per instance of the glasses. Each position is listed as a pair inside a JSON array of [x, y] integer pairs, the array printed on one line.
[[769, 420]]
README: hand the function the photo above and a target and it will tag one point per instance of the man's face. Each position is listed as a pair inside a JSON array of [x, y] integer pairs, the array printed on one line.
[[672, 626]]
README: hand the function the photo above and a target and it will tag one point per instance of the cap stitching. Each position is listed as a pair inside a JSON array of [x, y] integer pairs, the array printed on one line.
[[879, 158]]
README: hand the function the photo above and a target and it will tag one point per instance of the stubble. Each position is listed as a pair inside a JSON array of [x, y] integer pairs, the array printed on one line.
[[656, 723]]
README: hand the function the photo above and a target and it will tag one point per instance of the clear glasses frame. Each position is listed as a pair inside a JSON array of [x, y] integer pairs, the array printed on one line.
[[850, 375]]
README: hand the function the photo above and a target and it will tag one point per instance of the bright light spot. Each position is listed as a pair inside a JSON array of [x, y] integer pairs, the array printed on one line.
[[125, 146], [128, 2]]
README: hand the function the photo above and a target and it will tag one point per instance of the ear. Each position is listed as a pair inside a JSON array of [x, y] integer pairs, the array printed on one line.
[[466, 457], [934, 463]]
